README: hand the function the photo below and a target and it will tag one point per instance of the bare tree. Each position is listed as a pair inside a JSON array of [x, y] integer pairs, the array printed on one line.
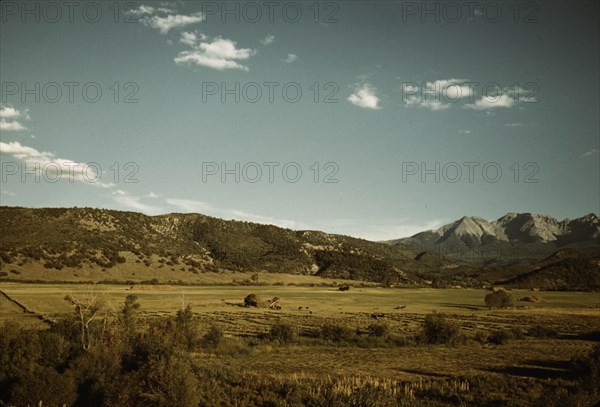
[[87, 308]]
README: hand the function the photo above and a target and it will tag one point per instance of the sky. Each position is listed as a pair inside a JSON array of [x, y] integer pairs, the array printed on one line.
[[375, 119]]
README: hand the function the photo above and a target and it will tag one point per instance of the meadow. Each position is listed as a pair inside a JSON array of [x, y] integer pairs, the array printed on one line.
[[528, 363]]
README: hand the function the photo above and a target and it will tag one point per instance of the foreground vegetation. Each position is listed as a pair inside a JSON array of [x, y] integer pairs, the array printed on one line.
[[116, 349]]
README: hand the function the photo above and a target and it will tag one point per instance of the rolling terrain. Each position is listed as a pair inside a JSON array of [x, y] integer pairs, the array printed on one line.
[[83, 244]]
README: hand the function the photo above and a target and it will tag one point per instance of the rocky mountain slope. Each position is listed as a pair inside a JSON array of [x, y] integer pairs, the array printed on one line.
[[513, 238]]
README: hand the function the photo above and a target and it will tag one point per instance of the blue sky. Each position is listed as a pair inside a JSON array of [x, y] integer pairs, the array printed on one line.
[[411, 114]]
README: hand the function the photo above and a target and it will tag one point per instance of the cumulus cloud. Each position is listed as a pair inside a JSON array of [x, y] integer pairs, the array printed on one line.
[[268, 40], [9, 118], [492, 102], [436, 95], [364, 96], [504, 98], [47, 165], [191, 38], [219, 54], [11, 125], [142, 10], [290, 58], [166, 23]]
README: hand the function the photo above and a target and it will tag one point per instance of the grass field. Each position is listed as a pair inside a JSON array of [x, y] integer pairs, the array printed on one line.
[[573, 315]]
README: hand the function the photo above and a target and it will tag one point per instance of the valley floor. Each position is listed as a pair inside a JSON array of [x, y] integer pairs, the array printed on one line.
[[535, 361]]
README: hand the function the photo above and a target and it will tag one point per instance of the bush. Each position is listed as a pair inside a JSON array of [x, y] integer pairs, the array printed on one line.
[[282, 332], [502, 336], [378, 330], [541, 331], [499, 299], [438, 330], [214, 336], [588, 369], [336, 333], [33, 388]]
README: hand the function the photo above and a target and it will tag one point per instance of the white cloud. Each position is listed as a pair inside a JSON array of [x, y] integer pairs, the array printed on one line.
[[391, 229], [492, 102], [11, 126], [7, 112], [268, 40], [49, 165], [142, 10], [191, 38], [129, 201], [410, 88], [589, 153], [434, 105], [436, 95], [513, 124], [464, 131], [168, 22], [450, 89], [9, 193], [364, 96], [220, 54], [9, 116], [189, 205], [290, 58], [151, 195]]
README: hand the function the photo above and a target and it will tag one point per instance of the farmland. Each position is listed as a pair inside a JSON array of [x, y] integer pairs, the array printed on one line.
[[534, 360]]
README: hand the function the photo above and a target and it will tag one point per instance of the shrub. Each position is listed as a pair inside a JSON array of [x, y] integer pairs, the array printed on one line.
[[541, 331], [33, 388], [438, 330], [588, 368], [282, 332], [378, 330], [499, 299], [336, 333], [500, 337], [214, 336]]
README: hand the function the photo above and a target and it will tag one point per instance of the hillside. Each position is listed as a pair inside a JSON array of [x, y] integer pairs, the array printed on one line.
[[82, 244], [81, 239]]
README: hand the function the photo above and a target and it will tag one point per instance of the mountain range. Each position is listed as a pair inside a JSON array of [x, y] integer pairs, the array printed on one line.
[[84, 244], [512, 238]]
